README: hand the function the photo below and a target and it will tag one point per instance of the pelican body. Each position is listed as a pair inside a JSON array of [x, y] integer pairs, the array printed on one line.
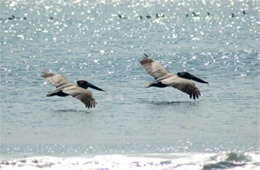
[[65, 88], [163, 78]]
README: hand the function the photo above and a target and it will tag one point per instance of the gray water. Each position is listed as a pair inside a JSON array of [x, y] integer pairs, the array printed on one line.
[[88, 40]]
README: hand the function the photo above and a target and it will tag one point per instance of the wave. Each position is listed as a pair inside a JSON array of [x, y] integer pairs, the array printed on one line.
[[233, 160], [205, 161]]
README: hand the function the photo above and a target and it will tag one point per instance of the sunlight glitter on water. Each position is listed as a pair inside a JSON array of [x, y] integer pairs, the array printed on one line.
[[103, 42]]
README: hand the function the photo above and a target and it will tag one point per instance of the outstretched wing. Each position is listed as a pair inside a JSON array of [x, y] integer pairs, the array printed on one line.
[[153, 67], [56, 80], [84, 95], [186, 86]]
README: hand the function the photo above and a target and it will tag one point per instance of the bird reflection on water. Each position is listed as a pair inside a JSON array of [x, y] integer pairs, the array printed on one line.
[[173, 103]]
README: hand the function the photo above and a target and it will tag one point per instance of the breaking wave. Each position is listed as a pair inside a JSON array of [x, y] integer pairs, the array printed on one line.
[[205, 161]]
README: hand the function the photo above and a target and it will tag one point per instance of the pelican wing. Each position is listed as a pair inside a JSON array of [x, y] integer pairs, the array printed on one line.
[[154, 68], [186, 86], [56, 80], [84, 95]]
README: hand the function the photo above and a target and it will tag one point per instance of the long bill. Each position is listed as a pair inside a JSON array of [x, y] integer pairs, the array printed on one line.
[[197, 79], [94, 87], [187, 75]]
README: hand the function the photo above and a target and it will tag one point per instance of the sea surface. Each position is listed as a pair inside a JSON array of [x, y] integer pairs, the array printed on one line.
[[131, 127]]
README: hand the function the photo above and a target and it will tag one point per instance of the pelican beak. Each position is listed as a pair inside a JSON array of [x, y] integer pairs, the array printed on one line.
[[197, 79], [94, 87], [187, 75]]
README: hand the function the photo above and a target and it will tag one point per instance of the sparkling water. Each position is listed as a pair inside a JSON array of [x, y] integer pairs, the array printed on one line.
[[102, 41]]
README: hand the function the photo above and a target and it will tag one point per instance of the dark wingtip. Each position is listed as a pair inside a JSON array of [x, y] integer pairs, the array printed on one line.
[[46, 74], [145, 55], [146, 59]]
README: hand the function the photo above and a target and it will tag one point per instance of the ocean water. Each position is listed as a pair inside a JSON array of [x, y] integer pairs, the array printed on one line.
[[132, 127]]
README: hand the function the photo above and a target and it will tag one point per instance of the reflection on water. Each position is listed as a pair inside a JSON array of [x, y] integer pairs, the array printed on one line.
[[72, 111], [176, 103]]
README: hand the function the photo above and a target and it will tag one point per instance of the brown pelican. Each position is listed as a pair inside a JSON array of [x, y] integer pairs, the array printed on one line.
[[163, 78], [65, 88]]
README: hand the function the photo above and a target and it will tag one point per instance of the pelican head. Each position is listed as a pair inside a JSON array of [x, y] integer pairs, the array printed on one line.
[[84, 84]]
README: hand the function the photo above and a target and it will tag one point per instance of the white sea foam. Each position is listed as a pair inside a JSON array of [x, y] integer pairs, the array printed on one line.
[[194, 161]]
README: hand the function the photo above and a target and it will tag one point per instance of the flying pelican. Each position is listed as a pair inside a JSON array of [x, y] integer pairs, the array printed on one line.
[[163, 78], [65, 88]]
